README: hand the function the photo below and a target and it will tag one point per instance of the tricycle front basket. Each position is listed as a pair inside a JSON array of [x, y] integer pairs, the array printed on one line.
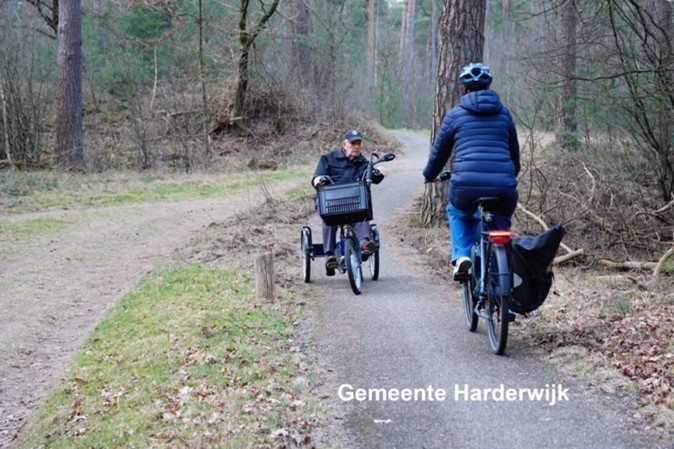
[[344, 203]]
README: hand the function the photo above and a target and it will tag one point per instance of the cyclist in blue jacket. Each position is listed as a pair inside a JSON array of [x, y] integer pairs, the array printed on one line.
[[343, 165], [482, 134]]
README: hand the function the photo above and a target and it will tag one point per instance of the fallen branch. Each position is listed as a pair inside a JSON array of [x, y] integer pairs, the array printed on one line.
[[656, 267], [668, 253], [568, 256], [618, 279], [592, 190], [663, 259], [570, 252], [654, 213], [536, 218], [629, 264]]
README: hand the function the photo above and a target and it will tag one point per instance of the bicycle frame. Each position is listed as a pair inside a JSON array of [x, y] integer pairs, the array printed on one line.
[[499, 240], [345, 232]]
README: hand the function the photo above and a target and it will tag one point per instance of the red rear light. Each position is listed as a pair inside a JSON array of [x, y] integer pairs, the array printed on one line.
[[500, 237]]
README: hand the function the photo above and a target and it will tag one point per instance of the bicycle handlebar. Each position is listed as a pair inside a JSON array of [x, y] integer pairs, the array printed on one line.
[[445, 175], [374, 160]]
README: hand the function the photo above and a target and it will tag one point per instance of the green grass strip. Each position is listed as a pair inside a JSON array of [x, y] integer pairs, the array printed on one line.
[[87, 190], [32, 227], [189, 359]]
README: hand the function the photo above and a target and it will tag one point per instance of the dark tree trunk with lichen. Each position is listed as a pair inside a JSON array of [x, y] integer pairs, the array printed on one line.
[[461, 35]]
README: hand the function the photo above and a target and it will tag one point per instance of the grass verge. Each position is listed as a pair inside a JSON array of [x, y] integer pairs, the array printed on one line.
[[26, 192], [190, 358]]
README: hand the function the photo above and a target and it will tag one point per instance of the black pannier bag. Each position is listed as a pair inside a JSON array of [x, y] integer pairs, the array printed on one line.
[[531, 262]]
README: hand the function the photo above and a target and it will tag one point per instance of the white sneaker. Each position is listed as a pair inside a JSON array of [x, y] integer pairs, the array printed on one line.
[[461, 268]]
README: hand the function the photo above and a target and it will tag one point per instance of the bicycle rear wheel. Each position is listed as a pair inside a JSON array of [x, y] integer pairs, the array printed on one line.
[[498, 298], [353, 266]]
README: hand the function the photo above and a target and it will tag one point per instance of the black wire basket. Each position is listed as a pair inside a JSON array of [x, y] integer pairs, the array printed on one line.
[[344, 203]]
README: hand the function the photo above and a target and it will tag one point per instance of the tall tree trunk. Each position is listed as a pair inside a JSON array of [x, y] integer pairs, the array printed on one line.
[[505, 34], [247, 37], [648, 76], [407, 31], [302, 58], [663, 32], [69, 143], [565, 104], [461, 35], [202, 80], [371, 41], [432, 51], [407, 55], [5, 124], [403, 32]]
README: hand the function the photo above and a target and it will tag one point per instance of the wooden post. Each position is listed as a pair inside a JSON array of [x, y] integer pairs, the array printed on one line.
[[264, 276]]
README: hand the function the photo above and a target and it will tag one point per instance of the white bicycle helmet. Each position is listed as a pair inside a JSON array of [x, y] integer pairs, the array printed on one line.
[[475, 73]]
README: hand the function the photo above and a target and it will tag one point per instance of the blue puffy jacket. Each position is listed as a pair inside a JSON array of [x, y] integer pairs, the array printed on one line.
[[482, 134]]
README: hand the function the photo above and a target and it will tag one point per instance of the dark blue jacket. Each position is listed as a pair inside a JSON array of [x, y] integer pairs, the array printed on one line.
[[482, 134], [342, 170]]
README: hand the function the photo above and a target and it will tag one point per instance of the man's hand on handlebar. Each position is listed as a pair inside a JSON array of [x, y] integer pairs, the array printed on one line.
[[320, 181]]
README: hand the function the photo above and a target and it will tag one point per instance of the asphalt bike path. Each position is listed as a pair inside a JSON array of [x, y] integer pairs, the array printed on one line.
[[406, 373]]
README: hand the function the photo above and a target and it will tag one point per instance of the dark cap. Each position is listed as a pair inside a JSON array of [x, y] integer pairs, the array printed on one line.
[[353, 135]]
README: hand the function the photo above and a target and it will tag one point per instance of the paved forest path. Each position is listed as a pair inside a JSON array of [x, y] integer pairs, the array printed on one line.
[[408, 331]]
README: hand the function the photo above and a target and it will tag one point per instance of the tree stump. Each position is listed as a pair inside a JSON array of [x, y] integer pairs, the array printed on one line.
[[264, 276]]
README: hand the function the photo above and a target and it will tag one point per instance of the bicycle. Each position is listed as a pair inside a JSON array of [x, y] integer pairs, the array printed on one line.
[[487, 288], [343, 205]]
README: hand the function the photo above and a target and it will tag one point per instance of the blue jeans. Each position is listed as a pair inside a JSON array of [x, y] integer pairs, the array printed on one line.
[[464, 229]]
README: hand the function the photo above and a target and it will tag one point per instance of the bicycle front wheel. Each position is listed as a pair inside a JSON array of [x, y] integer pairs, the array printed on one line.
[[469, 303], [374, 257], [306, 253], [353, 266], [374, 265], [498, 298]]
